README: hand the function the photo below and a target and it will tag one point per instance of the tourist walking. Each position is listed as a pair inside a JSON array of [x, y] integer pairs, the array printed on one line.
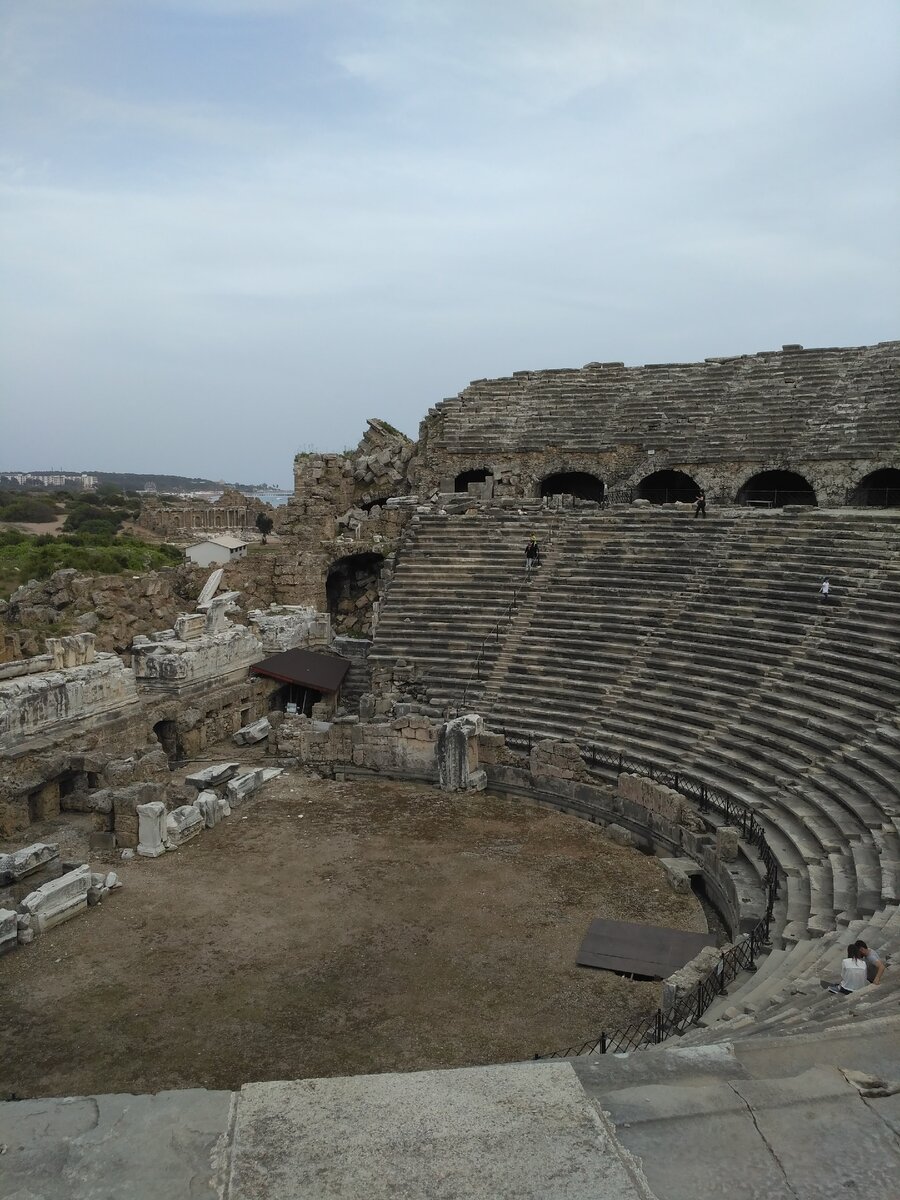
[[853, 972], [532, 555], [824, 591], [701, 506]]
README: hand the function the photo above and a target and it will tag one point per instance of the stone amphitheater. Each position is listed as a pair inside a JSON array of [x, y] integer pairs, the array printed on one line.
[[676, 678]]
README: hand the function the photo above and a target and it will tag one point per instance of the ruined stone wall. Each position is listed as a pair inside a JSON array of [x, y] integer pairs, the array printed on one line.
[[38, 780], [34, 705], [113, 607], [117, 608], [188, 520], [832, 415], [339, 511]]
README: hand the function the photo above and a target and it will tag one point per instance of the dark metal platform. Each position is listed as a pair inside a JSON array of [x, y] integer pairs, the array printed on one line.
[[647, 950]]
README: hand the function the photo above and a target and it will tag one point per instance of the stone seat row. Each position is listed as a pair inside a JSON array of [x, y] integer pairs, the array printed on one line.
[[811, 906], [784, 995]]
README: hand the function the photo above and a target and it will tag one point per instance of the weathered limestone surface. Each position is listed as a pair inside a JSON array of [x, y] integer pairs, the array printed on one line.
[[210, 588], [171, 1146], [257, 731], [211, 777], [152, 818], [212, 808], [657, 798], [287, 627], [624, 423], [59, 900], [483, 1133], [34, 705], [125, 804], [557, 760], [22, 863], [170, 664], [457, 755], [8, 930], [182, 824]]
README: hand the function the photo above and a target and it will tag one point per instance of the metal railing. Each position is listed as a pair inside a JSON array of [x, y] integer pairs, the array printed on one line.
[[686, 1011], [873, 497], [689, 1008]]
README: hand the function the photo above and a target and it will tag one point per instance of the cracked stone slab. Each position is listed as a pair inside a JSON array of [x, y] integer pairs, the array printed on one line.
[[820, 1128], [695, 1141], [485, 1133], [116, 1147], [805, 1137]]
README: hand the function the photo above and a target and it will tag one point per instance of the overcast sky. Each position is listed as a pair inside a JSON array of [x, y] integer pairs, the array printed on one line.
[[234, 229]]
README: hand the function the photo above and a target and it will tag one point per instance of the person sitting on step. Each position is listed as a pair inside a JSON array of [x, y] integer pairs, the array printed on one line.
[[874, 964], [853, 972]]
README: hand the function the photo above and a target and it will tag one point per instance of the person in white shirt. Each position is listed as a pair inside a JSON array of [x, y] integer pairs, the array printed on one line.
[[853, 972], [824, 590]]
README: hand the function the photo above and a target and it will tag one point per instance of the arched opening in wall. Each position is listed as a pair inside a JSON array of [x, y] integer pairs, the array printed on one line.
[[580, 484], [462, 481], [370, 504], [352, 588], [878, 489], [772, 489], [167, 735], [667, 487], [294, 699]]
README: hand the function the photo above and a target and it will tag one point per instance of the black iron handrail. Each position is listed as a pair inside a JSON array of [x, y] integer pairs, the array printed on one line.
[[688, 1009]]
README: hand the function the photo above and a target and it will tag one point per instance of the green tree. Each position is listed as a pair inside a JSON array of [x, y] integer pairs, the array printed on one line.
[[265, 525]]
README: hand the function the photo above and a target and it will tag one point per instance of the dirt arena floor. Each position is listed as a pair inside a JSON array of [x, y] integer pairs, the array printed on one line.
[[331, 929]]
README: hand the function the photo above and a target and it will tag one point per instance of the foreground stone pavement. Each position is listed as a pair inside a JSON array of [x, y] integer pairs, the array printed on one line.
[[777, 1118]]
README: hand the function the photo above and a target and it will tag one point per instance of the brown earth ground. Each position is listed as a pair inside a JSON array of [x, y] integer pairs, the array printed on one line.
[[332, 929]]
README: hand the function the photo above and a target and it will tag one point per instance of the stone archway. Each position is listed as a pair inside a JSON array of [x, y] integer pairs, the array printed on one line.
[[878, 489], [166, 733], [776, 488], [667, 487], [580, 484], [351, 587], [462, 481]]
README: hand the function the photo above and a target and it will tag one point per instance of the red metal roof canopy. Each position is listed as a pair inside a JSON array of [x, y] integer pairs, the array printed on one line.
[[308, 668], [639, 949]]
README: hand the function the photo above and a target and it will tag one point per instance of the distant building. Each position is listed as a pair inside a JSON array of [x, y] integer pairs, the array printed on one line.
[[183, 519], [216, 551]]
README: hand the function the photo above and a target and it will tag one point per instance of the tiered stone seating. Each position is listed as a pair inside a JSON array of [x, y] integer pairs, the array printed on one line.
[[702, 647], [453, 583], [838, 403], [785, 994]]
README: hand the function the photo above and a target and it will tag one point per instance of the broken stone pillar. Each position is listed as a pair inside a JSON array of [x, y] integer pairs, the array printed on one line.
[[241, 786], [59, 900], [727, 841], [217, 618], [182, 824], [210, 588], [190, 626], [212, 776], [457, 755], [151, 829], [212, 808], [22, 863], [73, 650], [257, 731], [9, 930]]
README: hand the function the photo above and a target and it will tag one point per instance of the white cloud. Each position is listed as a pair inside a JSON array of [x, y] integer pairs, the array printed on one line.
[[450, 191]]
